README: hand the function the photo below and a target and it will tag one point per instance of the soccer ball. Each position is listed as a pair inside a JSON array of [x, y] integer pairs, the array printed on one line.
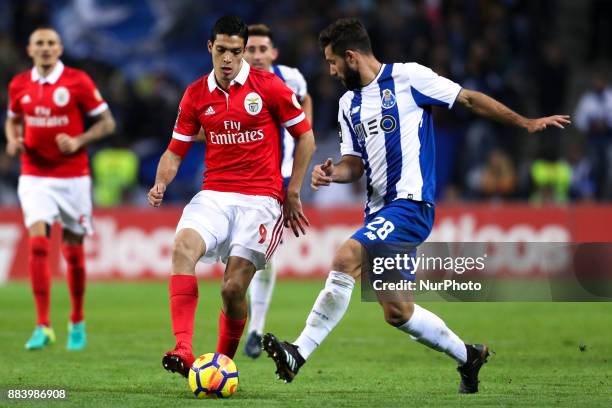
[[213, 375]]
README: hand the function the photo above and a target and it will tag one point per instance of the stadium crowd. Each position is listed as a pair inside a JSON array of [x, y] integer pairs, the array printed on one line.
[[504, 48]]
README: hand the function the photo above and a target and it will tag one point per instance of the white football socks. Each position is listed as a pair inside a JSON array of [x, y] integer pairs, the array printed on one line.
[[329, 308], [260, 294], [427, 328]]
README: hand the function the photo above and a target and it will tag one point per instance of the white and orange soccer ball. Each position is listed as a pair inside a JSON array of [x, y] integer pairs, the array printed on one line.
[[213, 375]]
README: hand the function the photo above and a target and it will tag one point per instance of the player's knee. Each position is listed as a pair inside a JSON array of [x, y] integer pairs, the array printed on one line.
[[348, 259], [71, 238], [184, 253], [398, 314], [39, 229], [232, 291]]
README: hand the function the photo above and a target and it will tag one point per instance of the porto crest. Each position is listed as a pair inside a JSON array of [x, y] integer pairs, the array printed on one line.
[[388, 99]]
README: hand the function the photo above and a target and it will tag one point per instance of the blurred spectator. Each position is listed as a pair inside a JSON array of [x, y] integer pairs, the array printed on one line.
[[582, 186], [115, 172], [593, 118], [551, 181], [496, 178]]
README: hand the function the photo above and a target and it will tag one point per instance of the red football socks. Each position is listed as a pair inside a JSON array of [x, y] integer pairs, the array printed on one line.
[[75, 259], [40, 277], [183, 303], [230, 331]]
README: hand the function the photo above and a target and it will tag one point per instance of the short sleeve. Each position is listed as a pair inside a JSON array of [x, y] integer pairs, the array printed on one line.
[[348, 138], [89, 98], [286, 108], [14, 105], [429, 88], [186, 126], [301, 89]]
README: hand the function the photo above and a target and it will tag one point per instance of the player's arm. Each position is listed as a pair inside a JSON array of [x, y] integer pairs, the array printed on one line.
[[166, 171], [13, 126], [304, 148], [347, 170], [103, 126], [185, 131], [13, 129], [489, 108]]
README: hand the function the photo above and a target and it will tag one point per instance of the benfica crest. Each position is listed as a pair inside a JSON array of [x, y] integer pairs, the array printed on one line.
[[253, 103]]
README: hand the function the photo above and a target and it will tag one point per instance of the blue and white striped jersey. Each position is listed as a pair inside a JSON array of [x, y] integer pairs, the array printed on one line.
[[295, 81], [388, 123]]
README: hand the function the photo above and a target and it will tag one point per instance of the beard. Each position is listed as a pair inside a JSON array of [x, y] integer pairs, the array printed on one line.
[[352, 79]]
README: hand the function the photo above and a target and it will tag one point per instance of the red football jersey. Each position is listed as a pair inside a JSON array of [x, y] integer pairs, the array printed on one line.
[[49, 106], [242, 127]]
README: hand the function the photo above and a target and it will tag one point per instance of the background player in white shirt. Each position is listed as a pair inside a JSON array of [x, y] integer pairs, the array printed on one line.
[[261, 53], [386, 132]]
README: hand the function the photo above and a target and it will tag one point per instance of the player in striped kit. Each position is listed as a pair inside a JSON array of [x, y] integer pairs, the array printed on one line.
[[387, 133], [261, 53]]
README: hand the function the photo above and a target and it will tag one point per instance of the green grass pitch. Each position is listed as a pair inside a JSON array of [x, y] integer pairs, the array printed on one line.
[[538, 361]]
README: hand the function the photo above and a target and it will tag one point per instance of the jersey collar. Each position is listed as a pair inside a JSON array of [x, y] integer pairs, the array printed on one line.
[[52, 77], [375, 80], [241, 78]]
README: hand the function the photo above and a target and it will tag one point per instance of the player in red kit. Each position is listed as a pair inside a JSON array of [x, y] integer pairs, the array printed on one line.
[[238, 216], [45, 126]]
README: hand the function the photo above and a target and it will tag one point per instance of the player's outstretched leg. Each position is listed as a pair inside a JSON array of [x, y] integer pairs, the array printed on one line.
[[328, 310], [260, 294], [188, 248], [428, 329]]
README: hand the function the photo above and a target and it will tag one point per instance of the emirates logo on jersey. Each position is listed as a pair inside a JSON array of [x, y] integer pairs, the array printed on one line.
[[253, 103], [234, 134], [61, 96]]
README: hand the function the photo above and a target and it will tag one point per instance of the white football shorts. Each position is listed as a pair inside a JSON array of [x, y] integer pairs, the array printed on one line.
[[50, 199], [233, 224]]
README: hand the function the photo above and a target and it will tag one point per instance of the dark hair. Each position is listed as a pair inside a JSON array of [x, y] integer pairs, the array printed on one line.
[[230, 25], [261, 30], [346, 34]]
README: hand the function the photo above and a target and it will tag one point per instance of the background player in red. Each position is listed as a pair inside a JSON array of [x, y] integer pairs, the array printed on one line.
[[45, 125], [237, 217]]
